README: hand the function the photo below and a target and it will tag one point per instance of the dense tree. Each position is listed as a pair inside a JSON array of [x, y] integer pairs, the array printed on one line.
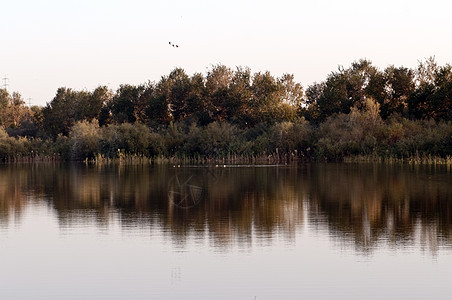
[[246, 99], [141, 104], [442, 100], [4, 98], [12, 109], [69, 106], [341, 91], [59, 114], [123, 103], [432, 98], [17, 110], [399, 86], [273, 99], [310, 108], [179, 92], [239, 106], [356, 110], [100, 97], [196, 104], [158, 111], [419, 102], [419, 94], [426, 71], [291, 91], [377, 90], [218, 81]]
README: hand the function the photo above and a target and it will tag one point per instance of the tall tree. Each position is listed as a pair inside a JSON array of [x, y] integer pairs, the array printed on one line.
[[400, 85], [441, 105], [158, 111], [343, 89], [239, 107], [17, 110], [59, 114], [197, 106], [12, 109], [142, 102], [179, 91], [218, 81], [98, 98], [122, 104], [432, 97], [5, 98], [310, 108], [426, 71]]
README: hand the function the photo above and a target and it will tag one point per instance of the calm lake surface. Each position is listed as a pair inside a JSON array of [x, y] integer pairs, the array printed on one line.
[[319, 231]]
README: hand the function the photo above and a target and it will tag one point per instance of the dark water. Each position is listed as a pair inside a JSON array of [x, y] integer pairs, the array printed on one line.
[[335, 231]]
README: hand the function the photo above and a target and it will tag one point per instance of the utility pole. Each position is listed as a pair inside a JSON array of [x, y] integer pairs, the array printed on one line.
[[5, 83], [29, 102]]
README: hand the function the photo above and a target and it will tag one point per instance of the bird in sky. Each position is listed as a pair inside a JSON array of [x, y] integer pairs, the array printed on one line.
[[174, 45]]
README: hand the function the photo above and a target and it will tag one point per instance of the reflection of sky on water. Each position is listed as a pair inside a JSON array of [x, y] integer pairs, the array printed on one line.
[[313, 232]]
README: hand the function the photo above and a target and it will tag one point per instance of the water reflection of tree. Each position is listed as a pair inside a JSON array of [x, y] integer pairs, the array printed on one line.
[[239, 204], [236, 202], [12, 196], [365, 206], [370, 205]]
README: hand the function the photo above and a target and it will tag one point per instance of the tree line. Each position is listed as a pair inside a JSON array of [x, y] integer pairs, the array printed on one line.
[[357, 111]]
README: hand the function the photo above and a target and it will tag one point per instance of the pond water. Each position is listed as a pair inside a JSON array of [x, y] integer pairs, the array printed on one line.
[[318, 231]]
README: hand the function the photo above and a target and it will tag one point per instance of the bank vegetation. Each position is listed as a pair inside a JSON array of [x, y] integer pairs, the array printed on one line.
[[358, 113]]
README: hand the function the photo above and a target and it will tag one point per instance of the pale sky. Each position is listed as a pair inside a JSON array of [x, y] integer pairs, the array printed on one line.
[[83, 44]]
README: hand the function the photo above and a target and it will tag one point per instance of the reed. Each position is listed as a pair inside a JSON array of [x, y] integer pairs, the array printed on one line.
[[411, 160]]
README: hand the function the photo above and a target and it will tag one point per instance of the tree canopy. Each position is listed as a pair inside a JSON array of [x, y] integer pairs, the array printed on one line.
[[185, 110]]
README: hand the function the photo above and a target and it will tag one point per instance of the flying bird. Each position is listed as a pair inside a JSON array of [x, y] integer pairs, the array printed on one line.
[[174, 45]]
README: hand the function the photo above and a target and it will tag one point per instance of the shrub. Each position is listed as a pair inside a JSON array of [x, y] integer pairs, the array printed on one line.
[[134, 138], [84, 137]]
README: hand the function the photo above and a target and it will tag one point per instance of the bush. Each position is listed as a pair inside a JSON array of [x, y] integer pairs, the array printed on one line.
[[291, 138], [134, 138], [110, 141], [84, 137]]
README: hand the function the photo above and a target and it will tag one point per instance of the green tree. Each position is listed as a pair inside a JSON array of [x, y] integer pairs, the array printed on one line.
[[399, 86], [17, 110], [432, 97], [12, 109], [123, 103], [264, 99], [89, 106], [59, 114], [142, 102], [5, 98], [310, 108], [218, 81], [197, 106], [179, 92], [342, 90], [441, 102], [239, 106], [158, 111]]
